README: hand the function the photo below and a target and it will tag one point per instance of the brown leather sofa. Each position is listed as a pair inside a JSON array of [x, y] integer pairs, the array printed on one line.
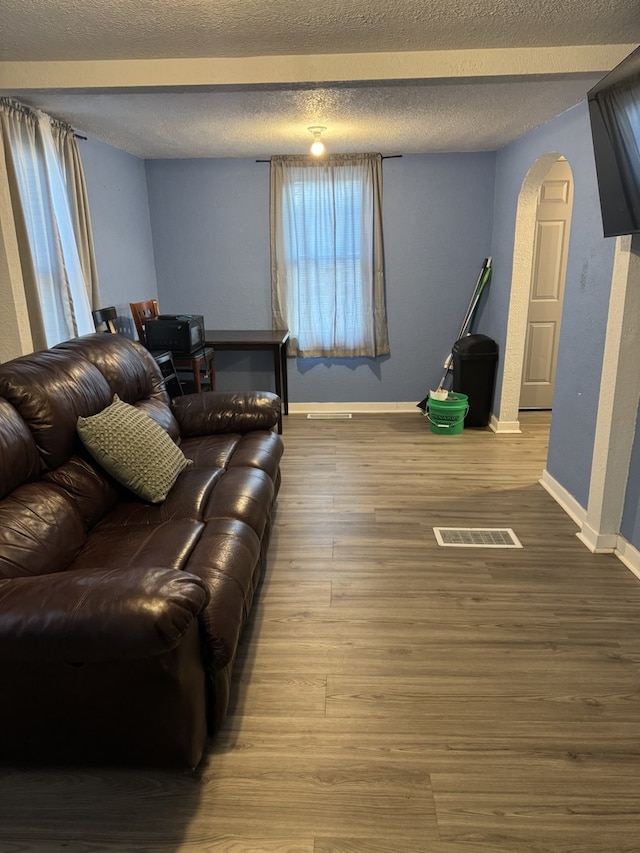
[[120, 619]]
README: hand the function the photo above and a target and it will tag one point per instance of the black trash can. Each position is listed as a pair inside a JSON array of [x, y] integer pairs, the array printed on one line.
[[475, 359]]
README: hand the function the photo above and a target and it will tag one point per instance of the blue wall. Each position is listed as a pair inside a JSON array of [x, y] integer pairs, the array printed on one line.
[[211, 238], [586, 298], [210, 222], [119, 207], [202, 227], [630, 527]]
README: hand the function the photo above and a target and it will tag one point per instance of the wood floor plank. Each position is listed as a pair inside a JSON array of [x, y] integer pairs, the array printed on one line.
[[390, 695], [571, 803], [323, 794]]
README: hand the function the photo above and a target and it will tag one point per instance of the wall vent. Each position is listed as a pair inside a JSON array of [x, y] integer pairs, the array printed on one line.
[[476, 537]]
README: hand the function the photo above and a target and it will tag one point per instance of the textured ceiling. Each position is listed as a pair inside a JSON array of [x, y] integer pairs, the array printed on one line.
[[119, 29], [409, 119], [233, 78]]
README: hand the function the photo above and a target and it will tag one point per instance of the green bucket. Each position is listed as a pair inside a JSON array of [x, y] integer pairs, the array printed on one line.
[[446, 417]]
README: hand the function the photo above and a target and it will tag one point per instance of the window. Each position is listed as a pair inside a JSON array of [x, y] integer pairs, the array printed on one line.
[[327, 261]]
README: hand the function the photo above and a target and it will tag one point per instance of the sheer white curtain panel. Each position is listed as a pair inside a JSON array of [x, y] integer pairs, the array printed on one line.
[[327, 262]]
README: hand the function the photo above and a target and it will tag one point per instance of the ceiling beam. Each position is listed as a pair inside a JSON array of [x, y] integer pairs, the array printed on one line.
[[207, 73]]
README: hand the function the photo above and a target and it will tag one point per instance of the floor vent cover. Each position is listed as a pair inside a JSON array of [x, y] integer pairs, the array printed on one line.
[[329, 416], [476, 537]]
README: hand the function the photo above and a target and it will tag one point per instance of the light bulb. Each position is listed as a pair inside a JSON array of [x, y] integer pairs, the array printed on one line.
[[317, 146]]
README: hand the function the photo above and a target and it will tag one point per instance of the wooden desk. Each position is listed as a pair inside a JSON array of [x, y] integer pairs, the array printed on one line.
[[257, 339]]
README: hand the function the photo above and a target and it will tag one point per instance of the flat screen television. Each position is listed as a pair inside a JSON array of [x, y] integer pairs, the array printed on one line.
[[614, 112]]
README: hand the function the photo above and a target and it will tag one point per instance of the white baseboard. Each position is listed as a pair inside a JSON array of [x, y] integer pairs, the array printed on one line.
[[595, 542], [629, 555], [386, 408], [561, 496], [361, 408], [504, 426]]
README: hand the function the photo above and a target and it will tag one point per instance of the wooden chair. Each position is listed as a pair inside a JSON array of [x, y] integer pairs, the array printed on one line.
[[200, 363], [141, 312]]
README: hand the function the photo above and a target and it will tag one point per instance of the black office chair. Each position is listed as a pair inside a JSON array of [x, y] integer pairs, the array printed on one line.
[[105, 317]]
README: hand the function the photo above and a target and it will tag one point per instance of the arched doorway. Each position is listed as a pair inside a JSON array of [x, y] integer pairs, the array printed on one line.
[[619, 393], [523, 263]]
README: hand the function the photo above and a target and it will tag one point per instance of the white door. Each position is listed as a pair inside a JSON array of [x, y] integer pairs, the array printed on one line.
[[553, 221]]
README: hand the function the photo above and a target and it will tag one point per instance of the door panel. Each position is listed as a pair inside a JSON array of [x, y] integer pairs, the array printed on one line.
[[540, 341], [547, 274], [553, 220]]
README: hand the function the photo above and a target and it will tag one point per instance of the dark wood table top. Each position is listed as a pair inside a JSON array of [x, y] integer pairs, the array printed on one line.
[[245, 337]]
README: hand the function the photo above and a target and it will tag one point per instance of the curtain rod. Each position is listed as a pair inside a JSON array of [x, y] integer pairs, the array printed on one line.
[[384, 157]]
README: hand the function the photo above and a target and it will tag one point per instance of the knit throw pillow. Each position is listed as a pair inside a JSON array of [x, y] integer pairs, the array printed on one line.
[[134, 449]]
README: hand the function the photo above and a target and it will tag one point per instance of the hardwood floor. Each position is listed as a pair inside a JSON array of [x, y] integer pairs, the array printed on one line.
[[393, 696]]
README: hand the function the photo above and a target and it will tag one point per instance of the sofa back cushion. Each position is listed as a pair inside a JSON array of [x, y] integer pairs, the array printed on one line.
[[131, 372], [92, 491], [78, 378], [19, 460], [50, 390], [40, 531]]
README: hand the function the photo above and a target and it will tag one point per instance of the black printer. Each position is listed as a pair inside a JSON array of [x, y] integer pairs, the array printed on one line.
[[183, 334]]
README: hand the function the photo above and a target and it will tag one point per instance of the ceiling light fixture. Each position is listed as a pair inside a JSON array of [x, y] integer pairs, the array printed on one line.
[[317, 146]]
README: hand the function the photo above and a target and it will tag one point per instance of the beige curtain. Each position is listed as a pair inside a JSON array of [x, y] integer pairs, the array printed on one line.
[[67, 147], [50, 218], [17, 124], [327, 260]]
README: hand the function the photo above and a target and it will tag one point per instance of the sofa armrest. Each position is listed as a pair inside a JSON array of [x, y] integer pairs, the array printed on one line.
[[225, 411], [97, 615]]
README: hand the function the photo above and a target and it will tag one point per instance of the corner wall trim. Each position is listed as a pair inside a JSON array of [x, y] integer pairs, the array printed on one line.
[[597, 543], [504, 426]]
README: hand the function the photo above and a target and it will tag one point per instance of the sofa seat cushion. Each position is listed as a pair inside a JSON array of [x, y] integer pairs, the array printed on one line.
[[40, 531], [167, 544], [187, 499], [212, 451], [131, 446], [244, 494], [262, 449]]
